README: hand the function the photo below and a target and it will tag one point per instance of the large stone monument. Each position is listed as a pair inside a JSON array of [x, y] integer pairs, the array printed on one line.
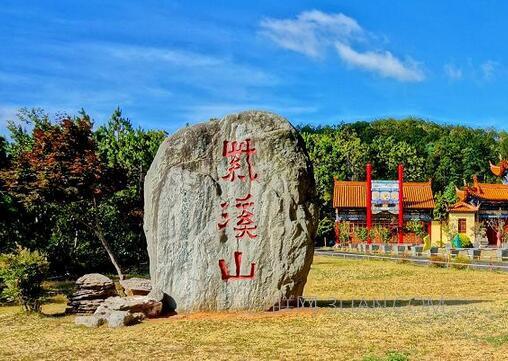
[[230, 217]]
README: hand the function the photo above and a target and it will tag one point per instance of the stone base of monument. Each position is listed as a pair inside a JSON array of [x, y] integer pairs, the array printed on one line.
[[122, 311], [91, 291]]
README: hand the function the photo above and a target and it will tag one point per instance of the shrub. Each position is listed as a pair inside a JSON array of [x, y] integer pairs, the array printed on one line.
[[465, 241], [325, 230], [438, 260], [383, 234], [362, 233], [461, 262], [22, 273], [417, 228], [344, 232]]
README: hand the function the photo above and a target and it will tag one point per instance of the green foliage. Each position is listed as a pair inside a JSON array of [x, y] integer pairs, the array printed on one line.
[[465, 241], [383, 234], [417, 228], [503, 146], [443, 201], [69, 190], [22, 273], [362, 233], [446, 154], [344, 231], [498, 340], [450, 230], [461, 262], [325, 230], [65, 187], [390, 356], [479, 230]]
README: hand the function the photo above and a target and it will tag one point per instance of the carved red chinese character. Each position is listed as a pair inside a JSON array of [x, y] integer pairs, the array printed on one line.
[[233, 151], [238, 262], [245, 225], [224, 216]]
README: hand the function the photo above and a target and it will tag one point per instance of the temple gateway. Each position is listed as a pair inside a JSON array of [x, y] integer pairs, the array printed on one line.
[[386, 211], [383, 204], [482, 210]]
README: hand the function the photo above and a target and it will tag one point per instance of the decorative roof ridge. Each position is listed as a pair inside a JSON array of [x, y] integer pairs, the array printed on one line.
[[462, 204], [337, 181], [493, 185], [428, 183]]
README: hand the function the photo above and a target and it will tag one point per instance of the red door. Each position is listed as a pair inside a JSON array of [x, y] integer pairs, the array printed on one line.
[[491, 236]]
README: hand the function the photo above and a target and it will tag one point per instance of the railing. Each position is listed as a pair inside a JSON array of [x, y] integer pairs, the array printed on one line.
[[489, 265]]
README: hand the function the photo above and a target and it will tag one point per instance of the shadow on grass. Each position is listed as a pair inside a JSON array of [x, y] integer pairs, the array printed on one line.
[[389, 303], [312, 303]]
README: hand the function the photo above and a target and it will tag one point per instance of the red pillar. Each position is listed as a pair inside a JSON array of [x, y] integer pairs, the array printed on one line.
[[368, 198], [401, 203]]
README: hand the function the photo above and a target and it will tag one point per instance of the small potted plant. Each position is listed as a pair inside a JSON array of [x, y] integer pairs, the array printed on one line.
[[362, 233], [453, 239], [344, 233], [385, 235], [417, 228]]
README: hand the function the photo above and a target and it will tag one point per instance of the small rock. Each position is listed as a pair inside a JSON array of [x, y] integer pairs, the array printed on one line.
[[136, 286], [138, 316], [94, 280], [91, 290], [120, 319], [89, 321], [135, 304]]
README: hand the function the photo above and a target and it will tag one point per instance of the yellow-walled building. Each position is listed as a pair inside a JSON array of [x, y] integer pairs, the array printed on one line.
[[481, 213]]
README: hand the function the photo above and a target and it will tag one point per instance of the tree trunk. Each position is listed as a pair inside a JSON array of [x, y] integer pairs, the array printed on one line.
[[105, 244], [97, 230]]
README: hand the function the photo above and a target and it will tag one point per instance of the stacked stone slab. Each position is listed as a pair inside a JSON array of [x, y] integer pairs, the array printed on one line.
[[136, 286], [122, 311], [91, 291]]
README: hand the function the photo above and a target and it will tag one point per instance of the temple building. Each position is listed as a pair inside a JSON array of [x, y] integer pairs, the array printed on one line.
[[483, 205], [390, 204]]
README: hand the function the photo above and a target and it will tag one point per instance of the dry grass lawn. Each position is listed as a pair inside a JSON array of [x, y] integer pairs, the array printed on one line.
[[473, 325]]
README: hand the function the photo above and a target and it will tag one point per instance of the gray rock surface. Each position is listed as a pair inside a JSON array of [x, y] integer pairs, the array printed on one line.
[[120, 319], [136, 286], [89, 321], [134, 304], [91, 290], [189, 182]]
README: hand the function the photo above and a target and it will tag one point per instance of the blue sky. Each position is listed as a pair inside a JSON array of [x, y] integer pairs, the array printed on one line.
[[168, 63]]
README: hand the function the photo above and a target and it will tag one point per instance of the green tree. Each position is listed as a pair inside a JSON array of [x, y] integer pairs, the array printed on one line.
[[62, 173], [387, 154], [443, 201], [127, 153]]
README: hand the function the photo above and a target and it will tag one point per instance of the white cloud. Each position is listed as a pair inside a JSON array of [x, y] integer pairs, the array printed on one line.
[[312, 33], [453, 72], [488, 69], [383, 63]]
